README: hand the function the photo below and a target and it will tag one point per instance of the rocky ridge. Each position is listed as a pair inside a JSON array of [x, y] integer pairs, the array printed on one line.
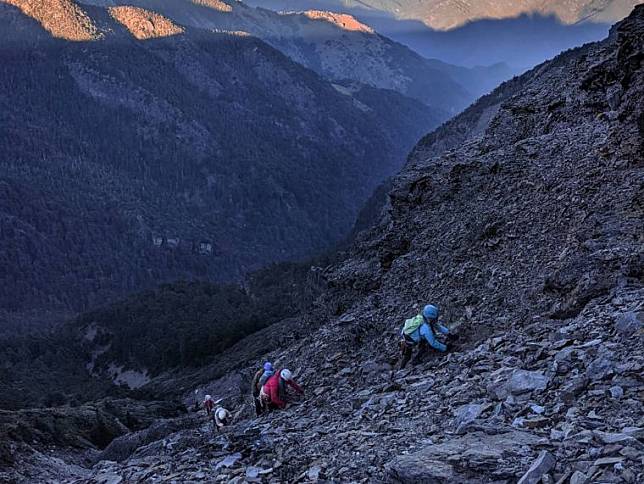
[[527, 232], [445, 15], [62, 18], [144, 24], [344, 21], [451, 14], [216, 4]]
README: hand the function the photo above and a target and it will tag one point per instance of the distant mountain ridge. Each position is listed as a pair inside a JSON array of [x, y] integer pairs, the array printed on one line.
[[450, 14], [482, 32], [337, 46]]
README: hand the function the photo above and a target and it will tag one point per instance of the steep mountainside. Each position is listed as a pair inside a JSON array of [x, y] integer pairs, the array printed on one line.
[[527, 232], [337, 47], [190, 154]]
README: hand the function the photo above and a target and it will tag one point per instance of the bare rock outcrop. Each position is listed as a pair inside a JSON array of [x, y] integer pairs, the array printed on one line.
[[62, 18], [144, 24]]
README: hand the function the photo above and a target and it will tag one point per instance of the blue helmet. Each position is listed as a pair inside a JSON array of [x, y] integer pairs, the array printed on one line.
[[430, 312], [268, 366]]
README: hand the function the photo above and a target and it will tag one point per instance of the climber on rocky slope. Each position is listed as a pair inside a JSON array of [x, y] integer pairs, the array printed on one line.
[[420, 329], [273, 394], [221, 417], [261, 376], [208, 404]]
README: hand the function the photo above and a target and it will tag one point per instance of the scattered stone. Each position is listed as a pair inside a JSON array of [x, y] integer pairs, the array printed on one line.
[[574, 389], [578, 478], [624, 438], [506, 382], [465, 415], [523, 381], [228, 461], [544, 464], [616, 392], [472, 452], [629, 323], [601, 367], [313, 473], [608, 461]]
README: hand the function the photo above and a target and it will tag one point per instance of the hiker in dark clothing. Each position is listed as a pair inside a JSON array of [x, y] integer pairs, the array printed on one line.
[[261, 377]]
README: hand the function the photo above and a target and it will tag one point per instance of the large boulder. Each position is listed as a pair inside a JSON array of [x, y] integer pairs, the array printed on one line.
[[505, 382], [466, 458]]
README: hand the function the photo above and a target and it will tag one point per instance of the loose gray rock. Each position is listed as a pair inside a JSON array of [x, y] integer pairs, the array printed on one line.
[[578, 478], [523, 381], [629, 323], [544, 464]]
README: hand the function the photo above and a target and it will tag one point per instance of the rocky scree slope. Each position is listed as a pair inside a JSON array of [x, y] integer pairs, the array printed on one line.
[[528, 234], [191, 154]]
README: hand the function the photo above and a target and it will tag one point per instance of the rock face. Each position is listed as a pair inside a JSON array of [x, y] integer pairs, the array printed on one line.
[[144, 24], [62, 18], [344, 21], [528, 235]]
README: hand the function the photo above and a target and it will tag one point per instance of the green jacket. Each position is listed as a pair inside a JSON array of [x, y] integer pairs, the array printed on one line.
[[412, 324]]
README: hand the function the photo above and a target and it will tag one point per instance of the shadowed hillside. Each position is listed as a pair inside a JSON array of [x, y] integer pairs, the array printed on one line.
[[126, 163]]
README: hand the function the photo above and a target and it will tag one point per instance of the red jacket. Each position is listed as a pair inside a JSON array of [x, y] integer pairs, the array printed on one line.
[[272, 389]]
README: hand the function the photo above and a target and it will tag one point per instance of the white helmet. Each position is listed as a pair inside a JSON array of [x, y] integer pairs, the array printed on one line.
[[286, 374], [208, 397], [222, 414]]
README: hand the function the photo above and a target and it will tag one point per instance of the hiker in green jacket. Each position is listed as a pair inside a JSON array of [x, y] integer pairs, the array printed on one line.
[[422, 327]]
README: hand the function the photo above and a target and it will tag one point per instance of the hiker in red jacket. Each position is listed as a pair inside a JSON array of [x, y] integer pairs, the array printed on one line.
[[273, 393], [208, 404]]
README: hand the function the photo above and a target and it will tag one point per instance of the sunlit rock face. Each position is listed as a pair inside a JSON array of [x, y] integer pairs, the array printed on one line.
[[144, 24], [62, 18], [215, 4], [344, 21]]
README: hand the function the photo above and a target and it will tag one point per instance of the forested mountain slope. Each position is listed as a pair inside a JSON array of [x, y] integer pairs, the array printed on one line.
[[527, 233], [157, 151]]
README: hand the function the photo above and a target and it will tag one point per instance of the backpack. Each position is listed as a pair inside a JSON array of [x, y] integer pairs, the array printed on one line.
[[412, 324]]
